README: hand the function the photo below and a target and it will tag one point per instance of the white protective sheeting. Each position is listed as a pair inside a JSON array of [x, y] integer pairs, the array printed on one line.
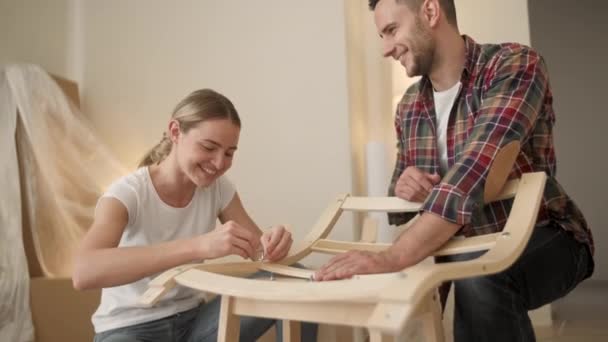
[[53, 170], [15, 317]]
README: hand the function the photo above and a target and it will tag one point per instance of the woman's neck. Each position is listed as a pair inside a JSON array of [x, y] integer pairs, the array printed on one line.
[[171, 184]]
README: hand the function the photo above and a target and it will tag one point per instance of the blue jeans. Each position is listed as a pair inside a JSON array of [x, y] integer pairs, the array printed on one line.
[[200, 325], [197, 325], [495, 308]]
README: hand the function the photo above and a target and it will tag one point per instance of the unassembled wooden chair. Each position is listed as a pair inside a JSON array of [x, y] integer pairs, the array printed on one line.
[[381, 303]]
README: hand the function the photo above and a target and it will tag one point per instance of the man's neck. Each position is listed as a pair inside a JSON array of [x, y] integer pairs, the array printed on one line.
[[449, 61]]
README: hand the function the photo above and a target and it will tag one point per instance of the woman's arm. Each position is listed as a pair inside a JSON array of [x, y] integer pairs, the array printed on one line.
[[235, 211], [100, 263]]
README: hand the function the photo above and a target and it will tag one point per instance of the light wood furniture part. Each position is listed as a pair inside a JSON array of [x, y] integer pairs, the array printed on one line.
[[382, 303]]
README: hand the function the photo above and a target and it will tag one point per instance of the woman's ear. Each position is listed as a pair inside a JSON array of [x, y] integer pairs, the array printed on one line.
[[174, 131]]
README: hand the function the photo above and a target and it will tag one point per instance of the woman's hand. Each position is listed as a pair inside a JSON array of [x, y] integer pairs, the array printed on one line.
[[276, 243], [229, 238]]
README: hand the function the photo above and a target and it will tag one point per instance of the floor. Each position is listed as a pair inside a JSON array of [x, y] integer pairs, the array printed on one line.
[[580, 316]]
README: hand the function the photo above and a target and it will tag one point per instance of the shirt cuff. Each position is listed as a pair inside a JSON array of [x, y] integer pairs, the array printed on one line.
[[450, 203], [398, 219]]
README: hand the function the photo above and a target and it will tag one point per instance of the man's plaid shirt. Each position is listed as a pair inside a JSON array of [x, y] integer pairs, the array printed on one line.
[[505, 96]]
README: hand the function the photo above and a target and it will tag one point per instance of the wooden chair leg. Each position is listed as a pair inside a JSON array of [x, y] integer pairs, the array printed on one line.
[[229, 325], [291, 331], [378, 336], [432, 320]]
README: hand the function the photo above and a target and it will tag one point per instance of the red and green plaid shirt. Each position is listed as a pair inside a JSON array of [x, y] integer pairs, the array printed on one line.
[[505, 96]]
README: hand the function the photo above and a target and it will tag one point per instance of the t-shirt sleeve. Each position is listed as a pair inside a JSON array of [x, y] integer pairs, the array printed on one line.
[[226, 190], [126, 194]]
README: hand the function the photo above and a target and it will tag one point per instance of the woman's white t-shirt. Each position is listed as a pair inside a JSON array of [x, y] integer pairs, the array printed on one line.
[[152, 221]]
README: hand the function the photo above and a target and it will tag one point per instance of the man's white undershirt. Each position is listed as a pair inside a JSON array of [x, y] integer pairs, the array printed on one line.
[[444, 101]]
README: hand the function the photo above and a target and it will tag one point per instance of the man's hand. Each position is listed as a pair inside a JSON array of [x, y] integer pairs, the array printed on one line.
[[415, 185], [276, 243], [357, 262]]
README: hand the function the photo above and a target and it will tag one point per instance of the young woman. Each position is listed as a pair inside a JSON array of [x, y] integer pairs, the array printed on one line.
[[164, 215]]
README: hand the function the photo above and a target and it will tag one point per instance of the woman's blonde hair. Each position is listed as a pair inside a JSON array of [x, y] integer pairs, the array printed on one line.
[[201, 105]]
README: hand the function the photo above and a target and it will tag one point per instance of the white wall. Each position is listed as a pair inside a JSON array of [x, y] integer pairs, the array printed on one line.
[[571, 36], [283, 63]]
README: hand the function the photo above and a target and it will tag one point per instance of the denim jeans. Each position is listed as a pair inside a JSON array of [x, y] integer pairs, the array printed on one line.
[[199, 325], [495, 308]]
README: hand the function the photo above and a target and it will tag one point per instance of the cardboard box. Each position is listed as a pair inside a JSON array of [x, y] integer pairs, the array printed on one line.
[[60, 313]]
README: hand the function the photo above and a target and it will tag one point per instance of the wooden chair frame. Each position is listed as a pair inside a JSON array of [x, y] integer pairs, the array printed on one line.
[[382, 303]]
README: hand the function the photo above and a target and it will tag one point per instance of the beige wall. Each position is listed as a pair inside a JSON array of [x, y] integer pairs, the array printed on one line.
[[282, 63], [571, 36], [369, 104], [285, 67], [494, 21], [35, 31]]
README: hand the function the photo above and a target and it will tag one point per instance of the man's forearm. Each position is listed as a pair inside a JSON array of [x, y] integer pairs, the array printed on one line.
[[426, 235]]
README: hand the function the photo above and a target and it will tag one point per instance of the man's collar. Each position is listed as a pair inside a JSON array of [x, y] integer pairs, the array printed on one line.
[[471, 50]]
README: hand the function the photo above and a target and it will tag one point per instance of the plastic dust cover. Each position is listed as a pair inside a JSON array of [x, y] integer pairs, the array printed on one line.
[[53, 170]]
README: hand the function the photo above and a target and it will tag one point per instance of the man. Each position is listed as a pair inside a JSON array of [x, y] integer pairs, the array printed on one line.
[[470, 101]]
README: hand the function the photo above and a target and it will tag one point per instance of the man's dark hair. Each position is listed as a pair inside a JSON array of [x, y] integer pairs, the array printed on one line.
[[447, 6]]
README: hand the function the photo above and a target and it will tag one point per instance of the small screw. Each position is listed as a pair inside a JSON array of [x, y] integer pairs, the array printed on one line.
[[261, 255]]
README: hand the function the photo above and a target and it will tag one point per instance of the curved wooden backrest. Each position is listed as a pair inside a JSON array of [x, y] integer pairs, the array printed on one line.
[[510, 243], [507, 248], [395, 297]]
